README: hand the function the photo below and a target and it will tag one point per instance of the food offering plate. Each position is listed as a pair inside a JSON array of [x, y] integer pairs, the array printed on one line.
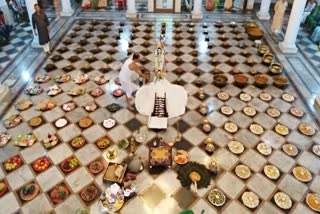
[[313, 201], [69, 164], [316, 150], [242, 171], [54, 90], [50, 141], [96, 167], [281, 129], [271, 172], [302, 174], [306, 129], [25, 140], [256, 129], [97, 92], [59, 193], [290, 149], [236, 147], [288, 97], [60, 123], [216, 198], [264, 149], [85, 122], [250, 200], [273, 112], [69, 106], [3, 187], [23, 105], [123, 144], [103, 143], [112, 200], [114, 107], [282, 200], [226, 110], [35, 122], [91, 106], [82, 78], [109, 123], [41, 164], [12, 121], [12, 163], [231, 127], [223, 96], [245, 97], [77, 142], [114, 172], [89, 193], [118, 92], [249, 111], [297, 112], [29, 192], [265, 97], [64, 78], [41, 78], [4, 139], [46, 105], [100, 80], [181, 157], [34, 90], [77, 91]]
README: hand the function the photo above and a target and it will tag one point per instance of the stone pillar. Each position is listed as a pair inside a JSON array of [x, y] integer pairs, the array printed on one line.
[[177, 7], [288, 45], [66, 9], [30, 8], [131, 9], [150, 6], [4, 92], [239, 4], [197, 10], [263, 13], [6, 11]]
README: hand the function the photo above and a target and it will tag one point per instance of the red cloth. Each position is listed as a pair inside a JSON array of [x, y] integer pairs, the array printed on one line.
[[2, 20]]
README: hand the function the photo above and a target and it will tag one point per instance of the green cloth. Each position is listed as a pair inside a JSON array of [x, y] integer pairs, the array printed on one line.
[[187, 212]]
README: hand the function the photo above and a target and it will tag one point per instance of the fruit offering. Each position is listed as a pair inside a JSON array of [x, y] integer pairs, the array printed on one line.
[[4, 139], [82, 78], [62, 78], [89, 193], [12, 121], [96, 167], [69, 164], [34, 90], [41, 78], [29, 192], [26, 140], [103, 143], [69, 106], [23, 105], [97, 92], [45, 105], [41, 164], [59, 193], [50, 141], [12, 163], [78, 142], [3, 187]]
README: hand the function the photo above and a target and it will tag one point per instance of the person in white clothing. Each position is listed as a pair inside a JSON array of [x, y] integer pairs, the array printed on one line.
[[130, 72]]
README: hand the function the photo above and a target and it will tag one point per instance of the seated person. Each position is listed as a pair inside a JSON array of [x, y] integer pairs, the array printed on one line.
[[311, 5], [4, 29]]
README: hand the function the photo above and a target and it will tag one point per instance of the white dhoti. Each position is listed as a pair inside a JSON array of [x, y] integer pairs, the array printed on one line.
[[127, 78], [128, 87]]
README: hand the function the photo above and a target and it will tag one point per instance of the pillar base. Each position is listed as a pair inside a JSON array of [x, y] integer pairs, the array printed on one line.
[[288, 48], [131, 15], [196, 15], [67, 13], [4, 92], [263, 16]]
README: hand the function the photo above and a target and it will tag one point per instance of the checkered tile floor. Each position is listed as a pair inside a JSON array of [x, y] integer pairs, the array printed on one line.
[[163, 193], [19, 38]]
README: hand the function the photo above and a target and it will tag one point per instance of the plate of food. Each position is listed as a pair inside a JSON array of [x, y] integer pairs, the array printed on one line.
[[45, 105], [118, 92], [273, 112], [123, 144], [181, 157], [91, 106], [100, 80], [235, 147], [34, 90], [76, 91], [114, 107], [41, 78], [316, 150], [249, 111], [50, 141], [109, 123], [281, 129], [54, 90], [60, 123], [3, 187], [306, 129], [288, 97], [12, 163], [264, 149], [4, 139], [69, 106], [313, 201], [85, 122], [97, 92], [41, 164], [250, 199], [89, 193], [282, 200], [231, 127], [12, 121], [242, 171], [223, 96], [271, 172], [59, 193], [290, 149], [77, 142], [35, 121], [62, 78], [96, 167], [265, 96], [29, 192], [103, 143], [23, 105], [297, 112], [226, 110], [302, 174], [82, 78], [69, 164], [216, 197], [245, 97], [25, 140], [256, 129]]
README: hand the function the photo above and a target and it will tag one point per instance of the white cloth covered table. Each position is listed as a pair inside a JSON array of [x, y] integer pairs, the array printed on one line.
[[176, 96]]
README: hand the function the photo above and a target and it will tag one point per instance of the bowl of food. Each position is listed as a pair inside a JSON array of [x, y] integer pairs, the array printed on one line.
[[220, 80], [263, 49], [280, 81], [255, 33], [268, 58], [240, 80], [250, 25], [261, 80], [275, 68]]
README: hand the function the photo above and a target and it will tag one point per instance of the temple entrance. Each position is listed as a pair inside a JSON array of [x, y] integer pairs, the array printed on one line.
[[164, 6]]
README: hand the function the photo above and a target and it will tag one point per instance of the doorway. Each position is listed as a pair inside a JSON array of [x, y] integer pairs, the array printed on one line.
[[164, 6]]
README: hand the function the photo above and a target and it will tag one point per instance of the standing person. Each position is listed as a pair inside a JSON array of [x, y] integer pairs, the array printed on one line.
[[130, 72], [228, 4], [13, 6], [40, 24], [279, 10]]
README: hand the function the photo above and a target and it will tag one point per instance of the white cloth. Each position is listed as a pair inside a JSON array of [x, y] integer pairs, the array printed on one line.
[[126, 78], [46, 47], [176, 95]]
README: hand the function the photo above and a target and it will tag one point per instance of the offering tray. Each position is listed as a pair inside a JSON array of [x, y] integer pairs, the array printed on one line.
[[114, 172], [112, 200]]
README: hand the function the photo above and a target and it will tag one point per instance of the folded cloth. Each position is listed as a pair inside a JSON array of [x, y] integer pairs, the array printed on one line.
[[157, 123]]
